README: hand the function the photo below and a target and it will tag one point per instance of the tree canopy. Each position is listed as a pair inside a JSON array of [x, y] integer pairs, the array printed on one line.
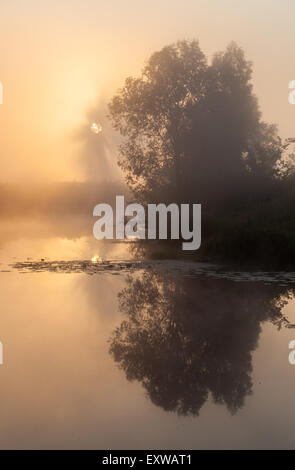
[[192, 129]]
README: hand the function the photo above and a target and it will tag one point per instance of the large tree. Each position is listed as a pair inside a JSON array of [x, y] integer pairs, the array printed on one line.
[[189, 125]]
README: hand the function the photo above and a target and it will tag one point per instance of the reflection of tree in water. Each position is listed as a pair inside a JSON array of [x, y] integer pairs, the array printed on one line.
[[186, 338]]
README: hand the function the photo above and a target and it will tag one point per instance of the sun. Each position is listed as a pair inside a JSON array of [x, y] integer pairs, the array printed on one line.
[[95, 128]]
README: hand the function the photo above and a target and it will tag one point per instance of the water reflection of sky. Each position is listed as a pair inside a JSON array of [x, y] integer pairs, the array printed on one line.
[[198, 350]]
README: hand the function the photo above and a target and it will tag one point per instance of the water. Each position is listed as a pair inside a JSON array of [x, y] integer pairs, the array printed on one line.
[[117, 353]]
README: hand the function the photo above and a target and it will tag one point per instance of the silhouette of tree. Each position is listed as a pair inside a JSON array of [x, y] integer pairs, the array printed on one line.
[[192, 130], [185, 339]]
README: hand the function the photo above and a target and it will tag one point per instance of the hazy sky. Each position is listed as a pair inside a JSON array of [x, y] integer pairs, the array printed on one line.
[[60, 57]]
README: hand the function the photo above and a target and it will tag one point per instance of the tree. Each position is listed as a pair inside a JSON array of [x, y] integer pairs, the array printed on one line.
[[189, 126]]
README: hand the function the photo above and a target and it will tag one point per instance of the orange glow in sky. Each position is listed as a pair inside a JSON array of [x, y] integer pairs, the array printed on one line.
[[58, 59]]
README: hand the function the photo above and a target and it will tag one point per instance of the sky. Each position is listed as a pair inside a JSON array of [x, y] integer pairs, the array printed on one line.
[[60, 59]]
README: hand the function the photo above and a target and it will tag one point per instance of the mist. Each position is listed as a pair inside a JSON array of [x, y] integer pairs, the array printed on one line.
[[98, 146]]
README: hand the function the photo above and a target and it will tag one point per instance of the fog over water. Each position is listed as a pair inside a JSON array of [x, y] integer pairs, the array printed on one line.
[[207, 358]]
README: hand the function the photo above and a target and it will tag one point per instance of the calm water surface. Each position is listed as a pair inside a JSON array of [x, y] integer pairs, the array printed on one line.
[[139, 357]]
